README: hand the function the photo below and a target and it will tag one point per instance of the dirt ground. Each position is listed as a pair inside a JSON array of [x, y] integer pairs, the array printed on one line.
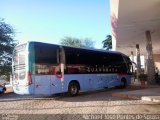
[[97, 102]]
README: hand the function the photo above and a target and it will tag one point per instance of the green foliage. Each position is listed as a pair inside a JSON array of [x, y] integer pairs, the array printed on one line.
[[143, 77], [6, 47], [69, 41], [107, 43]]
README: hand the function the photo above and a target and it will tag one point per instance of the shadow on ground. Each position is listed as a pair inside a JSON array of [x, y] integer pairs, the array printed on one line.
[[99, 95]]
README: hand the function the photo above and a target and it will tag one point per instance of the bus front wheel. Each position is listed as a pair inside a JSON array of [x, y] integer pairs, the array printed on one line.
[[123, 83], [73, 89]]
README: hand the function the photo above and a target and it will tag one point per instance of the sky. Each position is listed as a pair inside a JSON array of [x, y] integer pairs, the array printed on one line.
[[52, 20]]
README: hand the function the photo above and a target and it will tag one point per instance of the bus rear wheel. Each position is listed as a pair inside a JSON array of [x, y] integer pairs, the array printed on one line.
[[73, 89]]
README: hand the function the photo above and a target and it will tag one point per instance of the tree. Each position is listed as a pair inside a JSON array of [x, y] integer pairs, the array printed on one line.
[[87, 43], [69, 41], [6, 47], [107, 43]]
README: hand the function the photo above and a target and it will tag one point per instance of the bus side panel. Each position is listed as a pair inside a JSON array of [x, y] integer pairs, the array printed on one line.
[[111, 80], [69, 78], [42, 84], [107, 80], [86, 81], [96, 81], [24, 89], [57, 85]]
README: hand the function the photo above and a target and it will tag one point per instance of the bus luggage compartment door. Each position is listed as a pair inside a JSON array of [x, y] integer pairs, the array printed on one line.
[[42, 84]]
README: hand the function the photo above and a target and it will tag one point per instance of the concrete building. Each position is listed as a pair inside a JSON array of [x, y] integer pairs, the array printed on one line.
[[137, 22]]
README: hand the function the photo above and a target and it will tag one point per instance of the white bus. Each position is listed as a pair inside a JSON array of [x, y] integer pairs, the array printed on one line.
[[42, 68]]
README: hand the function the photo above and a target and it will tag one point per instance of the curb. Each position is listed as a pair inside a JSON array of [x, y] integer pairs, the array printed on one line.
[[132, 97], [126, 96], [151, 98]]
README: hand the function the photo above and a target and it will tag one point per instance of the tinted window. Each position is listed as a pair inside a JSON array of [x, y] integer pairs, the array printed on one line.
[[46, 58], [46, 54], [82, 56]]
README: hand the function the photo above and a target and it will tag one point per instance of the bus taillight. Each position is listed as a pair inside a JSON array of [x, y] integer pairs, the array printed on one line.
[[29, 80]]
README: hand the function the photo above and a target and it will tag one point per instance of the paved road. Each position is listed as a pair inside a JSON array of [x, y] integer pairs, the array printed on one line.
[[99, 102]]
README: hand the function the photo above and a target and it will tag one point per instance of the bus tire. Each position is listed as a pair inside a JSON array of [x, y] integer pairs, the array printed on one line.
[[123, 83], [73, 89], [3, 90]]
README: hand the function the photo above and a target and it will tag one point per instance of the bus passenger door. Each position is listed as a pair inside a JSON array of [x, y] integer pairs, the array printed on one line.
[[42, 84]]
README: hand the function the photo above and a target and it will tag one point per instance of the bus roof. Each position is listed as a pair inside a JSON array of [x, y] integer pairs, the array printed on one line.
[[92, 49]]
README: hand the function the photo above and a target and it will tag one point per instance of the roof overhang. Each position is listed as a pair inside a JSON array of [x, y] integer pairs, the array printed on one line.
[[130, 20]]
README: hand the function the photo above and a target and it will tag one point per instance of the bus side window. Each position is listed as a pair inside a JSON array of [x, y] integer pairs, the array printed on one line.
[[46, 57], [58, 56]]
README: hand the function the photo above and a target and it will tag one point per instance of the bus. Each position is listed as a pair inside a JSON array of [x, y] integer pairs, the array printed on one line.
[[43, 68]]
